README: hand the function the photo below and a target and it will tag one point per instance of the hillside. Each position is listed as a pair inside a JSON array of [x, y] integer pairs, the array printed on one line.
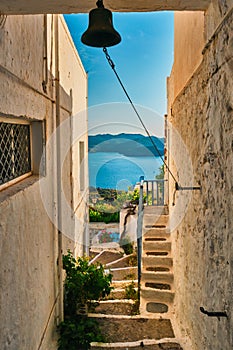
[[131, 145]]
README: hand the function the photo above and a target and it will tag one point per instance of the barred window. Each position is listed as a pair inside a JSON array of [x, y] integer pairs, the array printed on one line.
[[15, 151]]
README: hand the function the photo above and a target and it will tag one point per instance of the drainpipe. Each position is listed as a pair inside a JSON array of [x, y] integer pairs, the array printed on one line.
[[45, 56], [59, 181]]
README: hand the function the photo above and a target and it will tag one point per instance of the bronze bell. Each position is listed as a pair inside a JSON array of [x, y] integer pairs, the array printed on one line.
[[100, 31]]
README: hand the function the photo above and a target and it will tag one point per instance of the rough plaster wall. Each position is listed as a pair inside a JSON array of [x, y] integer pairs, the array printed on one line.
[[21, 62], [28, 240], [28, 249], [128, 227], [203, 257], [27, 270], [73, 80]]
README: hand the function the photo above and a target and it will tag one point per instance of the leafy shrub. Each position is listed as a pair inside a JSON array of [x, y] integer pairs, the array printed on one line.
[[109, 203], [84, 284], [106, 217], [78, 333], [131, 292], [135, 196]]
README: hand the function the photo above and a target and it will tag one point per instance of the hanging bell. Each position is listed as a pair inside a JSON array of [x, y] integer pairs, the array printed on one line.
[[100, 31]]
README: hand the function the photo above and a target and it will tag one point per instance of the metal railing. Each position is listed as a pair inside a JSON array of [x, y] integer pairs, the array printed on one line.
[[139, 236], [153, 191], [152, 194]]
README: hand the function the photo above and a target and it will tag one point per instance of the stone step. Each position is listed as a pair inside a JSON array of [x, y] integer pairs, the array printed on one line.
[[133, 328], [155, 221], [158, 253], [150, 209], [115, 307], [157, 285], [106, 256], [156, 233], [123, 273], [144, 344], [153, 261], [156, 269], [157, 277], [116, 293], [158, 246], [156, 295], [123, 284], [125, 261]]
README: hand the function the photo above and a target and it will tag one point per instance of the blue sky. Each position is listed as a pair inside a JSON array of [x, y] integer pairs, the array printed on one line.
[[143, 61]]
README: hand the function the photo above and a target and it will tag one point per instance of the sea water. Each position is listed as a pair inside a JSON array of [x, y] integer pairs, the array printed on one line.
[[116, 171]]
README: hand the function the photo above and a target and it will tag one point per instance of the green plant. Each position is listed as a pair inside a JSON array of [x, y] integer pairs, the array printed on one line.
[[129, 276], [78, 333], [160, 175], [97, 216], [135, 196], [130, 291], [84, 283], [108, 203], [133, 259], [127, 245], [135, 309]]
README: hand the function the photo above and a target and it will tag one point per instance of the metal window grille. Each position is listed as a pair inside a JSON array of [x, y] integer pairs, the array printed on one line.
[[15, 155]]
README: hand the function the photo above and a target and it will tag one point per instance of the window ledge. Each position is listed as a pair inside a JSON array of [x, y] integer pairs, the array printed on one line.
[[21, 185]]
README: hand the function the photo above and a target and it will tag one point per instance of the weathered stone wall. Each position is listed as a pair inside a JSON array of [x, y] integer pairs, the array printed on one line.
[[202, 244], [29, 289], [72, 6]]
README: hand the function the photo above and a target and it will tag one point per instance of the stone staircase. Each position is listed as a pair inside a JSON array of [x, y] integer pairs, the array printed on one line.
[[157, 292], [151, 329]]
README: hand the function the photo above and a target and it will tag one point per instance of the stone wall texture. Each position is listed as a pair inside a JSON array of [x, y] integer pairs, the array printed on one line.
[[30, 287], [202, 114], [72, 6]]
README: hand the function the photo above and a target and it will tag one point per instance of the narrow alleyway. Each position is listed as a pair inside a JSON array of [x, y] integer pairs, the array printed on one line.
[[120, 322]]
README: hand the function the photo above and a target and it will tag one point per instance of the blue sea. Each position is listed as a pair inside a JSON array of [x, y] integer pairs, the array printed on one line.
[[116, 171]]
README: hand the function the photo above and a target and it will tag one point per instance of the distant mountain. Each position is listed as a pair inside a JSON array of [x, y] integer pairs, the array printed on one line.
[[131, 145]]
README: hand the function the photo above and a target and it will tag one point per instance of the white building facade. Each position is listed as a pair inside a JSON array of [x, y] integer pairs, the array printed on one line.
[[44, 174]]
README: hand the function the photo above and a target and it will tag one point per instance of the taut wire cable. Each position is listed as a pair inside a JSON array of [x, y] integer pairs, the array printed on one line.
[[112, 65]]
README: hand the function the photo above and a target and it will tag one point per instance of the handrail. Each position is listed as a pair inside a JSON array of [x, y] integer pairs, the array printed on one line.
[[154, 192], [154, 196], [139, 236]]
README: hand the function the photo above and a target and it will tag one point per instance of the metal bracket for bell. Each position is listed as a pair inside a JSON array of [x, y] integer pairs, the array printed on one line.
[[100, 31]]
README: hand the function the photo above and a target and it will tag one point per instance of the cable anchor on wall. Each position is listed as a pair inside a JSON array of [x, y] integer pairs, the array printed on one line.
[[188, 188], [217, 314]]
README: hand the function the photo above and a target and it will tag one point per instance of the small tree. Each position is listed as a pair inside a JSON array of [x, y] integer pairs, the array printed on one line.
[[160, 176]]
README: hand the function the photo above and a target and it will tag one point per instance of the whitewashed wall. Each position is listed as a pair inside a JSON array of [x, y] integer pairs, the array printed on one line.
[[30, 291]]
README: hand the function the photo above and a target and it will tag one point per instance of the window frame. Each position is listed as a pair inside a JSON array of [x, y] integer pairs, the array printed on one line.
[[37, 140]]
